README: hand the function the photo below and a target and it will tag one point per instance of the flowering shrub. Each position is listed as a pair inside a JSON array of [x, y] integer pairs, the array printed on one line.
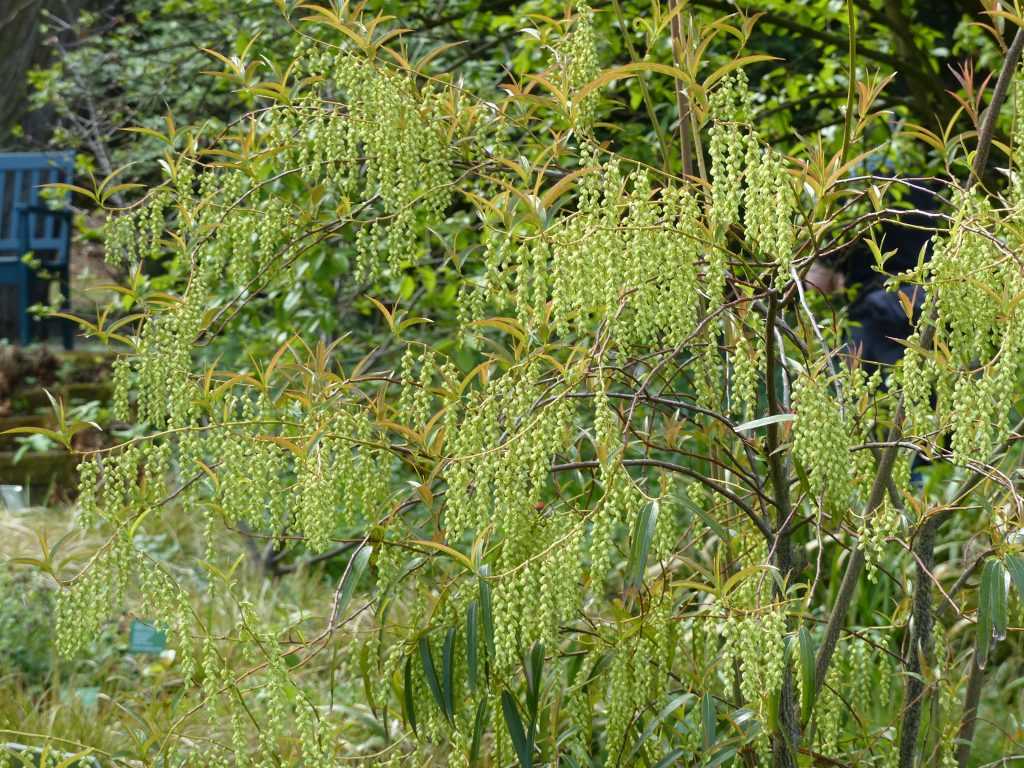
[[613, 513]]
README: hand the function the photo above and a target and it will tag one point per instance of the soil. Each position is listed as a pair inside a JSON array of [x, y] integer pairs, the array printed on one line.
[[21, 366]]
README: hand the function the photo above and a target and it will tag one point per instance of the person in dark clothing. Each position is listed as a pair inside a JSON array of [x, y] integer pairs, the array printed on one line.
[[878, 319]]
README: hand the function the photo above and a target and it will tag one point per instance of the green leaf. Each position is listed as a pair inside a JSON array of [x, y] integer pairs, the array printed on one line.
[[643, 534], [986, 604], [534, 671], [486, 612], [667, 710], [471, 643], [151, 133], [999, 612], [437, 546], [50, 434], [504, 324], [430, 673], [721, 757], [364, 673], [43, 565], [77, 760], [60, 186], [350, 579], [630, 70], [733, 64], [764, 421], [448, 674], [1015, 566], [708, 721], [708, 520], [479, 724], [410, 706], [523, 747], [807, 674], [672, 758]]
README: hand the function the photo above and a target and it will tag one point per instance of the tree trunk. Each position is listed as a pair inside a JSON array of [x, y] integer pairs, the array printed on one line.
[[23, 48]]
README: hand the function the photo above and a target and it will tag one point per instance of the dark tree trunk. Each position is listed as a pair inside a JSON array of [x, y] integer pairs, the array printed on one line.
[[23, 48]]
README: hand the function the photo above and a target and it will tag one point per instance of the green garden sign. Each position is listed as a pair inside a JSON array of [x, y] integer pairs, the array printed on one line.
[[145, 638]]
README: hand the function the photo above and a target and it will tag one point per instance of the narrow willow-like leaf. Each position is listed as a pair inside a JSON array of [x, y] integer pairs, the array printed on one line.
[[364, 673], [643, 534], [430, 673], [721, 757], [479, 725], [986, 605], [514, 723], [764, 421], [807, 679], [534, 671], [672, 758], [410, 704], [350, 579], [471, 643], [673, 704], [999, 610], [1015, 567], [486, 611], [707, 519], [708, 722], [448, 674]]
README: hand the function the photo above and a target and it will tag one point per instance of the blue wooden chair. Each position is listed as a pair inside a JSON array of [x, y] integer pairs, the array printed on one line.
[[27, 224]]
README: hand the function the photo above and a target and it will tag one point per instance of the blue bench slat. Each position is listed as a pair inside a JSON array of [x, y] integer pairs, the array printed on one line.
[[27, 161], [51, 224], [9, 240], [8, 222], [35, 178], [3, 191]]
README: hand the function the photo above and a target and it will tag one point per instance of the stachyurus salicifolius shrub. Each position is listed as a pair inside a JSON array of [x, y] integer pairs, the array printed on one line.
[[633, 501]]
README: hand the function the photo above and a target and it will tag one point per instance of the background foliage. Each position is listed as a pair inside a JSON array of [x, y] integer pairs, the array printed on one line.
[[483, 417]]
